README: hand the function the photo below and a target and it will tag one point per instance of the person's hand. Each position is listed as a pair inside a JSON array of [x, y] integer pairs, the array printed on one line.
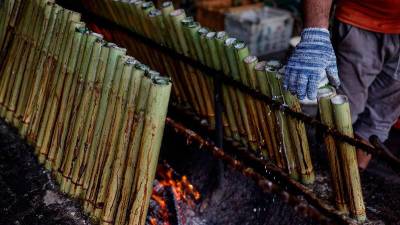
[[312, 57]]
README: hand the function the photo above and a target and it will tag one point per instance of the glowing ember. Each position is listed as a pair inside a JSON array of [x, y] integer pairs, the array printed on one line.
[[170, 191]]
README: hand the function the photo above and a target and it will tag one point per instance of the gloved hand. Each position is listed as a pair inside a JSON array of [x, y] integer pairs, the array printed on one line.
[[312, 57]]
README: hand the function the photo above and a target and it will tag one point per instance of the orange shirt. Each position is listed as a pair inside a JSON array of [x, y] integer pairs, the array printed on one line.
[[381, 16]]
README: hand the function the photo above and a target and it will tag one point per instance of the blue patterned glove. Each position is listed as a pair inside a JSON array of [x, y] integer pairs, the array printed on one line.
[[312, 59]]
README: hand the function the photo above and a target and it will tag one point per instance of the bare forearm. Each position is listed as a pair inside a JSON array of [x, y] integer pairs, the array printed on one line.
[[316, 13]]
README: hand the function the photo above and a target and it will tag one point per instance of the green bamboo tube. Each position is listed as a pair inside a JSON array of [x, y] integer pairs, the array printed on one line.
[[47, 88], [85, 114], [33, 59], [229, 118], [20, 66], [342, 118], [285, 145], [240, 51], [194, 76], [72, 109], [193, 36], [112, 138], [155, 19], [181, 46], [123, 156], [103, 146], [16, 56], [62, 93], [234, 94], [220, 39], [103, 85], [133, 151], [94, 136], [56, 82], [79, 111], [299, 139], [47, 57], [42, 14], [166, 8], [146, 7], [6, 11], [131, 9], [262, 122], [70, 104], [136, 10], [263, 87], [326, 114], [150, 147]]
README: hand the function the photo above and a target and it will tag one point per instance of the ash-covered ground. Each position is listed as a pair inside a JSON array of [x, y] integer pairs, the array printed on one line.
[[28, 196]]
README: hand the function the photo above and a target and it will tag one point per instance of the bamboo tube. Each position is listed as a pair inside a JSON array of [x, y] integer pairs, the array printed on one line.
[[299, 139], [79, 111], [286, 146], [235, 95], [101, 126], [78, 171], [47, 90], [263, 87], [96, 114], [342, 118], [262, 123], [62, 90], [17, 55], [44, 58], [20, 66], [133, 151], [326, 114], [25, 90], [148, 155], [193, 36], [123, 157], [112, 137], [84, 117], [66, 119], [238, 51]]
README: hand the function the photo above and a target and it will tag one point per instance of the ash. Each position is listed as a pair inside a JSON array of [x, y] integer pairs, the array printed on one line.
[[28, 195]]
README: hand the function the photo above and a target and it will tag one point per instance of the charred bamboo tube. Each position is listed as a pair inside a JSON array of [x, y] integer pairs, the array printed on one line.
[[342, 117], [299, 139], [286, 146], [148, 155], [128, 194], [61, 92], [326, 114], [123, 158]]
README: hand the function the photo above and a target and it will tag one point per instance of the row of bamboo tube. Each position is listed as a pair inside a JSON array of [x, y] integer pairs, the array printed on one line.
[[94, 115], [251, 122], [277, 136]]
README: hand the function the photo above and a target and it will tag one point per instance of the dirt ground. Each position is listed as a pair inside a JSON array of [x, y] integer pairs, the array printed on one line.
[[28, 196]]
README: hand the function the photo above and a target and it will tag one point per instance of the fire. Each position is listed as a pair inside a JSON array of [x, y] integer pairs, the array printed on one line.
[[169, 189]]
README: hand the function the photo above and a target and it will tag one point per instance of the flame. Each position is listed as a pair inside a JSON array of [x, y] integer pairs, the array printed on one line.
[[181, 189]]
